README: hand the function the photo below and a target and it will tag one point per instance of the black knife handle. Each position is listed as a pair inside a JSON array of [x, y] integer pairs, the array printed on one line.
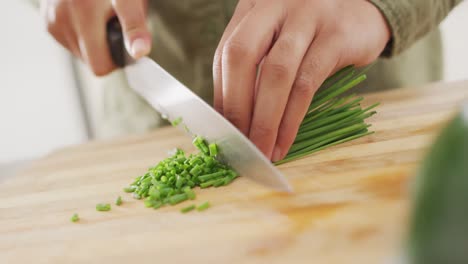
[[115, 41]]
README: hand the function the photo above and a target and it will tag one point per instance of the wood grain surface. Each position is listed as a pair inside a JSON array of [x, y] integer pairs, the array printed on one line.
[[350, 203]]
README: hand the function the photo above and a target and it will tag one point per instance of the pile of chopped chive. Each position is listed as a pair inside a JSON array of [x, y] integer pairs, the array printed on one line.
[[172, 180], [332, 118]]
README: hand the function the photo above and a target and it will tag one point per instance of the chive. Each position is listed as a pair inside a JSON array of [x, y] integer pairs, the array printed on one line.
[[203, 206], [219, 182], [75, 218], [157, 204], [102, 207], [332, 118], [190, 194], [210, 176], [307, 144], [180, 182], [178, 198], [298, 156], [148, 203], [177, 121], [208, 183], [118, 202], [129, 189], [196, 170], [188, 208], [213, 149], [201, 145]]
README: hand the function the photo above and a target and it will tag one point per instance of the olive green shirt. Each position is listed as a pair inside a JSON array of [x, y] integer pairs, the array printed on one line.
[[186, 34]]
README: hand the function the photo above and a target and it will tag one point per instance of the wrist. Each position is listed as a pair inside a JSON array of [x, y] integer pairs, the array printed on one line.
[[384, 28]]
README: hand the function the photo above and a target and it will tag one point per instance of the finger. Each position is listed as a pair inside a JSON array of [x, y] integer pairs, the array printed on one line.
[[89, 19], [276, 79], [241, 54], [241, 10], [70, 33], [132, 16], [56, 15], [72, 41], [319, 62]]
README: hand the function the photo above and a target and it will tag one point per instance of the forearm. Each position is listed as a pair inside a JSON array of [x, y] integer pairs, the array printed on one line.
[[411, 20]]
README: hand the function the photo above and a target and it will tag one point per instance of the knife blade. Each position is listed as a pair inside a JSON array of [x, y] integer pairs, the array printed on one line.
[[175, 101]]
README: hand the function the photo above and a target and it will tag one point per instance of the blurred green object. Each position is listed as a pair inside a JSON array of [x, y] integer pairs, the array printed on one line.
[[439, 224]]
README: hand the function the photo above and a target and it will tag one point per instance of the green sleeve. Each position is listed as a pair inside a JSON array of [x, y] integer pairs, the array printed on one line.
[[410, 20]]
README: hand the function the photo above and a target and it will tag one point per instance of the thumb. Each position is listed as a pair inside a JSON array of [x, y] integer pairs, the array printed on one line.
[[132, 16]]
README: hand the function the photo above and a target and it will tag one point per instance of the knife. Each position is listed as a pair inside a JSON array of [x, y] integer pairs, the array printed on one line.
[[175, 101]]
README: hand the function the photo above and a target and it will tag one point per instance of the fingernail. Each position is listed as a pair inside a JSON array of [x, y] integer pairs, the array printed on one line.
[[276, 154], [140, 48]]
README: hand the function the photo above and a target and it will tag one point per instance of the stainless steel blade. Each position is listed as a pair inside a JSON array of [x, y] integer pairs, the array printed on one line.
[[173, 100]]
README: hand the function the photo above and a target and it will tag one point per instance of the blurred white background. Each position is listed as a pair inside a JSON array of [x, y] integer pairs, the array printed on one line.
[[39, 100]]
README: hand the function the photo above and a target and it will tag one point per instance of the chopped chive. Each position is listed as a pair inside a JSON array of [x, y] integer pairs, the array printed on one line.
[[210, 176], [103, 207], [203, 206], [201, 145], [190, 194], [148, 203], [118, 202], [129, 189], [157, 204], [178, 198], [196, 170], [213, 149], [177, 121], [208, 183], [75, 218], [188, 208], [219, 182]]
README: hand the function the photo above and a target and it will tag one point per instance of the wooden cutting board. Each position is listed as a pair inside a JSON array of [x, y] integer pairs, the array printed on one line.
[[350, 203]]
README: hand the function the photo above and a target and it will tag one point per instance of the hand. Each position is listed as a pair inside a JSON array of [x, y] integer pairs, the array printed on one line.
[[295, 45], [80, 26]]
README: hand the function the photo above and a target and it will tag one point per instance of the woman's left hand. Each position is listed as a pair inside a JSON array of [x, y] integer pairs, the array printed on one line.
[[298, 44]]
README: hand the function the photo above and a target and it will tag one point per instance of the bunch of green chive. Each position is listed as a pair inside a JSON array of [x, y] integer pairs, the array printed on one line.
[[172, 180], [332, 118]]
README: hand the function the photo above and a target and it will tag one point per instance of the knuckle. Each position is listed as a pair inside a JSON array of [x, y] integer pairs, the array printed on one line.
[[285, 45], [342, 28], [304, 85], [262, 130], [312, 66], [233, 115], [236, 51], [278, 71]]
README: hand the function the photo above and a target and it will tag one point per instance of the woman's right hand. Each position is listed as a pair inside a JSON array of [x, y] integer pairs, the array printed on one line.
[[80, 26]]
